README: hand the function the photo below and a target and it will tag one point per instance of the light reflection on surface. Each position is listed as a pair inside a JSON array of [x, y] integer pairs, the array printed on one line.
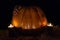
[[10, 26], [33, 27], [50, 24]]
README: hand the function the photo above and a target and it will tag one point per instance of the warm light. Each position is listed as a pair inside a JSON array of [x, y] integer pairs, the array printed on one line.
[[25, 27], [10, 26], [28, 26], [33, 27], [50, 25], [30, 17], [15, 23], [44, 22]]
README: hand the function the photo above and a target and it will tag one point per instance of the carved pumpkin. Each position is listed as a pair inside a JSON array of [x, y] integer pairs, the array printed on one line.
[[30, 17]]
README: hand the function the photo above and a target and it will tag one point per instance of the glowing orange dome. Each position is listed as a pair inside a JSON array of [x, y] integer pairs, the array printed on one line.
[[28, 17]]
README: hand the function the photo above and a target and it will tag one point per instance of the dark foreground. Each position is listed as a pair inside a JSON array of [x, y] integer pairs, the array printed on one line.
[[42, 34]]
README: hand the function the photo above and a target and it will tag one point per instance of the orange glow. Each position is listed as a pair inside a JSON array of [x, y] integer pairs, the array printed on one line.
[[15, 23], [44, 22], [28, 17]]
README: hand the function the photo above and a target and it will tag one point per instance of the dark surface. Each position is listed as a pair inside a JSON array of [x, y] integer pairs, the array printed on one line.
[[34, 32], [41, 34]]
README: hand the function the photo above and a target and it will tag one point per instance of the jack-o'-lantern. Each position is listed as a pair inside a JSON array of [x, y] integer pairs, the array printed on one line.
[[31, 17]]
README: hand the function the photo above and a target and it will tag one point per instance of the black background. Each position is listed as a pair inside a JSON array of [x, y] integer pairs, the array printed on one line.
[[51, 8]]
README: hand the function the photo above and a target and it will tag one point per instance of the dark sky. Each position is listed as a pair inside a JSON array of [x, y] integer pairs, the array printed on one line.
[[50, 8]]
